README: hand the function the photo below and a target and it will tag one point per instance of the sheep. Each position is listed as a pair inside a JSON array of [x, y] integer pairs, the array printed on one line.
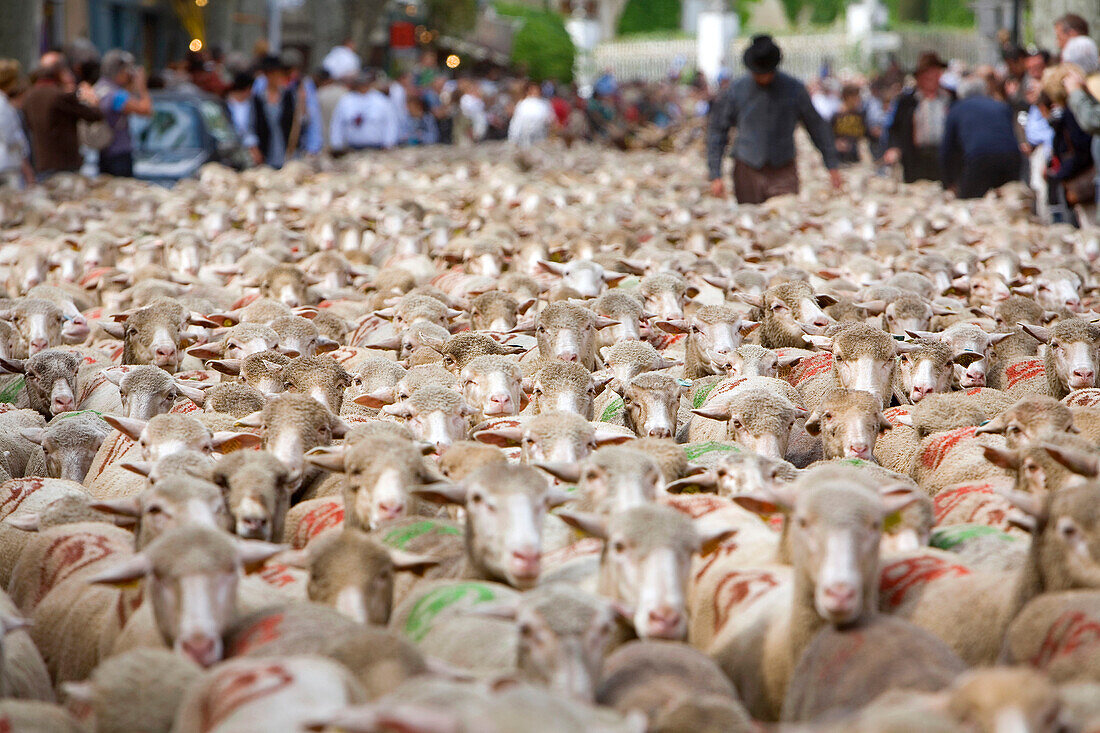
[[849, 423], [233, 398], [149, 390], [257, 493], [863, 358], [714, 333], [905, 314], [563, 387], [191, 574], [29, 715], [666, 293], [651, 403], [1071, 358], [670, 682], [318, 376], [497, 310], [261, 370], [435, 414], [972, 351], [627, 312], [38, 323], [568, 332], [925, 370], [238, 342], [293, 424], [355, 575], [493, 385], [460, 459], [758, 418], [141, 689], [835, 530], [785, 308], [154, 334], [70, 443], [753, 360], [645, 563], [379, 475], [51, 381], [1031, 420], [288, 285], [585, 277], [301, 335], [611, 479], [552, 436]]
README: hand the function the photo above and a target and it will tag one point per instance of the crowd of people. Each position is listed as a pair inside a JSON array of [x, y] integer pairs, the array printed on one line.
[[1033, 117]]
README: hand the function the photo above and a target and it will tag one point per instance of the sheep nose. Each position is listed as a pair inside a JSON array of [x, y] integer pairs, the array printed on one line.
[[821, 321], [39, 344], [661, 432], [390, 509], [202, 649], [62, 404], [568, 356], [663, 621], [525, 564], [251, 527], [921, 390], [840, 595], [165, 352], [1086, 375], [858, 450], [502, 401]]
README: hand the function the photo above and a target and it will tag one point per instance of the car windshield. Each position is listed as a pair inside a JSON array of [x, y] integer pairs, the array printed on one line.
[[174, 126]]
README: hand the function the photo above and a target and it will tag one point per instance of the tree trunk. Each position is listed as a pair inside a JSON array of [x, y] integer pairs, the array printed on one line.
[[21, 31]]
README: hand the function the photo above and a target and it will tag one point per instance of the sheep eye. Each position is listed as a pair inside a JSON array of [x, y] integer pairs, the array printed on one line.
[[618, 547], [477, 499], [1055, 345], [131, 332], [1043, 287], [803, 522], [153, 510], [1068, 530], [827, 416], [526, 630], [1014, 429]]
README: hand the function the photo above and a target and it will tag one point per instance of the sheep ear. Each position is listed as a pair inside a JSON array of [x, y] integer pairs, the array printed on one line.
[[141, 468], [329, 457], [527, 325], [501, 436], [28, 521], [252, 420], [232, 367], [194, 394], [34, 435], [967, 358], [398, 409], [1030, 504], [896, 497], [996, 338], [552, 268], [1022, 520], [226, 441], [556, 496], [79, 692], [128, 426], [825, 343], [378, 398], [114, 375], [824, 301], [195, 318], [813, 423], [441, 492], [207, 351], [570, 473], [609, 436], [127, 507], [1082, 464], [874, 307], [1001, 457], [755, 301], [604, 322], [788, 359], [412, 562], [12, 366], [125, 573], [294, 559], [591, 524], [254, 552], [711, 536], [113, 329], [721, 413], [903, 418], [676, 325], [994, 426], [1039, 333], [339, 427], [325, 345], [705, 481], [748, 327], [778, 500]]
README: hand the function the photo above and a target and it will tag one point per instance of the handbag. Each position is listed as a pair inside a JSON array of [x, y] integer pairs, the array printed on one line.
[[95, 135], [1081, 189]]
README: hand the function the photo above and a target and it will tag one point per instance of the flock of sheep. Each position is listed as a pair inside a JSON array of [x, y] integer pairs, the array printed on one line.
[[432, 442]]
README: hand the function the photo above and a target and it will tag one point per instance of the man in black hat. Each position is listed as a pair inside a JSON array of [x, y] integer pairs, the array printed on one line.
[[920, 114], [765, 106]]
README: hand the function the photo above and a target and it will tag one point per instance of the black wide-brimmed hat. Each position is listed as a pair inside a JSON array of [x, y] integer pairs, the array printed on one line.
[[762, 56]]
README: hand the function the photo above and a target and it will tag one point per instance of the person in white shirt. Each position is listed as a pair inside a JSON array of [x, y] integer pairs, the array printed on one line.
[[364, 118], [342, 62], [15, 150], [531, 120]]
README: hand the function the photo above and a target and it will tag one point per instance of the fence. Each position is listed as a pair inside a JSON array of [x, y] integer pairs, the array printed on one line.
[[803, 55]]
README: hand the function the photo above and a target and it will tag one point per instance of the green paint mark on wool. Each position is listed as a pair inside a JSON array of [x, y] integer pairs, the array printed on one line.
[[402, 536], [614, 410], [948, 537], [694, 451], [12, 391], [438, 600], [700, 397]]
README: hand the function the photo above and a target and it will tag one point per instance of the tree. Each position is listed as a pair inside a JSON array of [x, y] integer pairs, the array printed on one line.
[[452, 16]]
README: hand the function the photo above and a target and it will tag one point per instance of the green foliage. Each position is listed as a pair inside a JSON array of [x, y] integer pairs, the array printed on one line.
[[542, 46], [939, 12], [452, 16], [827, 11], [646, 16], [793, 7]]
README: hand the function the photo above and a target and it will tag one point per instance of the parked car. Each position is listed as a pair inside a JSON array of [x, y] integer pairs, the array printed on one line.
[[184, 132]]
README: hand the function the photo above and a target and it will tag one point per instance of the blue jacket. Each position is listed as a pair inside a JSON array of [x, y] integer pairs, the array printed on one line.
[[976, 127]]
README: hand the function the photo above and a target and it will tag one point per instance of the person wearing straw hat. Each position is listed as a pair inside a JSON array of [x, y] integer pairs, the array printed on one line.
[[15, 150], [919, 116], [765, 106]]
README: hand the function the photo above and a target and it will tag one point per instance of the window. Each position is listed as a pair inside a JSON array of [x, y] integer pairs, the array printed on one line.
[[174, 126]]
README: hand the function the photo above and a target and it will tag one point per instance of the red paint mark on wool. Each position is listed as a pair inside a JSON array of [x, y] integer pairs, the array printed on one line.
[[939, 447], [946, 501], [1069, 632], [811, 367], [1020, 371], [899, 578]]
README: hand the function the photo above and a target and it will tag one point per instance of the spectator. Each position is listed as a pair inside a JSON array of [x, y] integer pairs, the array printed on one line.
[[1084, 103], [765, 106], [309, 107], [979, 151], [849, 125], [472, 107], [1015, 81], [1071, 157], [241, 108], [364, 118], [52, 109], [329, 93], [420, 127], [531, 120], [1038, 135], [1072, 34], [15, 151], [916, 130], [203, 75], [399, 96], [342, 62], [122, 92], [273, 114]]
